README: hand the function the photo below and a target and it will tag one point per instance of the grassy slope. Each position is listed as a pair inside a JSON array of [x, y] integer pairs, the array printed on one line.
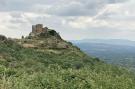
[[25, 68]]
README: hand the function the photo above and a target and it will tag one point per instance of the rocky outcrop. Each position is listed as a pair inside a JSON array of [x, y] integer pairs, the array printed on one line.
[[43, 38]]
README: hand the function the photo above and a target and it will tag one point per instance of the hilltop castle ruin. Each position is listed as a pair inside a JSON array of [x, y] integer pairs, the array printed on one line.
[[38, 30], [43, 38]]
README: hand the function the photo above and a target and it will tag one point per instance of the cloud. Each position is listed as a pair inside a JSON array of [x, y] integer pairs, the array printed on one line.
[[22, 5], [74, 19], [59, 7], [77, 8]]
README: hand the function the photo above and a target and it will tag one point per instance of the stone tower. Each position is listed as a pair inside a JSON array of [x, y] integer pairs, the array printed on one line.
[[38, 28], [39, 31]]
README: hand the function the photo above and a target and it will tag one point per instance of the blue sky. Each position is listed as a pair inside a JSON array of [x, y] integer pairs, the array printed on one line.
[[73, 19]]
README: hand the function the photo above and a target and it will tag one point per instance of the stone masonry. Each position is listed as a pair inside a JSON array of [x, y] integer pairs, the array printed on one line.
[[38, 29]]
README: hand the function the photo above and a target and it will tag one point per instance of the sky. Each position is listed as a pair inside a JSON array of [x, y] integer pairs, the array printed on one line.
[[73, 19]]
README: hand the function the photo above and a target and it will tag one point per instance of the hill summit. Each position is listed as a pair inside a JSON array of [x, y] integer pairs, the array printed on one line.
[[39, 30], [43, 38]]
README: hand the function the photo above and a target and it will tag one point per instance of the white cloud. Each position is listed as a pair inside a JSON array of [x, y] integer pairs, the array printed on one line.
[[74, 19]]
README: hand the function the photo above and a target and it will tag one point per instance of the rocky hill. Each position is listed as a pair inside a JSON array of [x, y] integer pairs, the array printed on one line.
[[43, 60], [45, 39]]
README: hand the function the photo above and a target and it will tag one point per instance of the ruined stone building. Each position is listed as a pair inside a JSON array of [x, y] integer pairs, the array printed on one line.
[[43, 37], [38, 29]]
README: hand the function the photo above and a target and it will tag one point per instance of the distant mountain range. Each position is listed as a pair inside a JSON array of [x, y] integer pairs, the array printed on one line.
[[107, 41], [116, 51]]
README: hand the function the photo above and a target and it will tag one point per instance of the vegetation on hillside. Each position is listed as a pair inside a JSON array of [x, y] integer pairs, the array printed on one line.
[[28, 68]]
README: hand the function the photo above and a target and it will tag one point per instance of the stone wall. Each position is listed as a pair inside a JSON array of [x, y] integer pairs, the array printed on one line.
[[37, 28]]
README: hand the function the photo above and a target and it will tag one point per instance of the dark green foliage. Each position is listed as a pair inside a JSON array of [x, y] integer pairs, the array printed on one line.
[[27, 68]]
